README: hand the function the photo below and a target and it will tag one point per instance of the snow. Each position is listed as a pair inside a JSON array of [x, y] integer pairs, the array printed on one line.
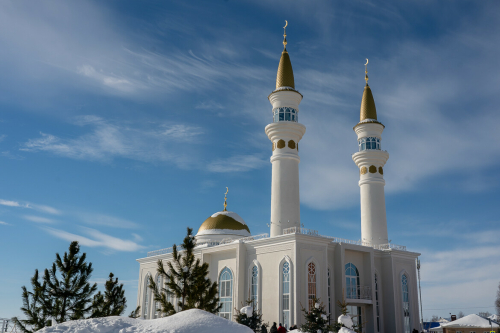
[[231, 214], [345, 330], [189, 321], [247, 310], [346, 320], [472, 320]]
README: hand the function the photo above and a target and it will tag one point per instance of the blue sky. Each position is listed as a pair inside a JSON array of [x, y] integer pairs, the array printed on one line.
[[122, 122]]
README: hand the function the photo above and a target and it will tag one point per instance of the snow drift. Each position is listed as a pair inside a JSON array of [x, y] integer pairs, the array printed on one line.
[[189, 321]]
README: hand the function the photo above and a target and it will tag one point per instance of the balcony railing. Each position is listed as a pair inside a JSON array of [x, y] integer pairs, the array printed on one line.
[[299, 230], [304, 231], [358, 292]]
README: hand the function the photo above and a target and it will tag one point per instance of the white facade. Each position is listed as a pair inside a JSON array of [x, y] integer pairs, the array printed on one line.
[[287, 270]]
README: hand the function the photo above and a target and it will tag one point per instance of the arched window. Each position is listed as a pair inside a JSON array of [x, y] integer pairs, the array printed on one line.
[[147, 294], [351, 281], [157, 304], [406, 304], [369, 144], [286, 294], [311, 284], [285, 114], [225, 293], [329, 294], [377, 305], [254, 287]]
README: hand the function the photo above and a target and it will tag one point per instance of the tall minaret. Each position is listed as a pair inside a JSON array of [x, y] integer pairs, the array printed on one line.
[[285, 133], [370, 161]]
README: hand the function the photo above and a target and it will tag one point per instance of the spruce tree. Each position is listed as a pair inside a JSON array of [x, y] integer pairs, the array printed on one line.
[[110, 303], [254, 321], [36, 314], [68, 293], [135, 313], [187, 280], [316, 319]]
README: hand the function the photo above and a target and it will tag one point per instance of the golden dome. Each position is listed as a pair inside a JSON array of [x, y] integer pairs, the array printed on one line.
[[368, 110], [222, 223], [284, 78]]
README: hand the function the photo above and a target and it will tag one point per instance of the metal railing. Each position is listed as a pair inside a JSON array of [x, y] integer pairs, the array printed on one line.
[[304, 231], [358, 292], [300, 230], [210, 243]]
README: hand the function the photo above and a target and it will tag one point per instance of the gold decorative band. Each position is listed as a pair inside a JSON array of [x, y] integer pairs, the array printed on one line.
[[363, 170], [281, 144], [372, 169], [291, 144], [380, 170]]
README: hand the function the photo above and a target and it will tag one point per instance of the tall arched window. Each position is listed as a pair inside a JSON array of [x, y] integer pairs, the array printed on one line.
[[147, 295], [351, 281], [157, 304], [286, 294], [377, 305], [254, 287], [225, 293], [311, 284], [406, 304], [329, 295]]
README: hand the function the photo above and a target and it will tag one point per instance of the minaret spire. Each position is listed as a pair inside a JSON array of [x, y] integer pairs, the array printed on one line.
[[370, 160], [285, 132], [225, 199]]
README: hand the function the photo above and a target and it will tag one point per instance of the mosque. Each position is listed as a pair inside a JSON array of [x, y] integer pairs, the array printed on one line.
[[293, 265]]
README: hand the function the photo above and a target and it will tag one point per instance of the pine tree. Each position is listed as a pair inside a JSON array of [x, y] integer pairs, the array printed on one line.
[[136, 313], [187, 280], [112, 302], [254, 321], [336, 326], [68, 294], [316, 319], [37, 316]]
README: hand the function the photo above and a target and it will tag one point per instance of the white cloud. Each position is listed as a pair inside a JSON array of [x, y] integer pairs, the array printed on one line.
[[209, 105], [4, 223], [40, 208], [97, 239], [106, 220], [237, 163], [10, 203], [2, 137], [38, 219]]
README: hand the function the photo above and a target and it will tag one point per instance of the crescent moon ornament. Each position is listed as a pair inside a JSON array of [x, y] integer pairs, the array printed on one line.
[[286, 24], [227, 190], [366, 61]]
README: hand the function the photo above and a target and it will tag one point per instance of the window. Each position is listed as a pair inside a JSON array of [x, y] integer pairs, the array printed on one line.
[[254, 286], [377, 307], [225, 293], [157, 304], [369, 144], [286, 294], [285, 114], [311, 284], [329, 298], [355, 313], [351, 281], [146, 297], [406, 304]]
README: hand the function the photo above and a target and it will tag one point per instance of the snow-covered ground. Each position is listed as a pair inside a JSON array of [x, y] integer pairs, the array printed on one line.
[[189, 321]]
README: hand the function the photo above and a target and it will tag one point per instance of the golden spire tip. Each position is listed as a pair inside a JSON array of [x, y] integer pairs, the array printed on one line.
[[366, 71], [225, 199], [284, 35]]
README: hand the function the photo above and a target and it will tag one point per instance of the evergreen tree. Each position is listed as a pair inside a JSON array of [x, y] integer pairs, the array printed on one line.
[[187, 280], [68, 293], [136, 313], [110, 303], [36, 314], [316, 319], [254, 321]]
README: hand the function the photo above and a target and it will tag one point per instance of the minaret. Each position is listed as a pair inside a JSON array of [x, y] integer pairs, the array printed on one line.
[[285, 133], [370, 161]]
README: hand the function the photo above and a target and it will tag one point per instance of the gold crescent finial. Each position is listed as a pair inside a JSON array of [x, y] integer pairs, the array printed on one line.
[[225, 199], [366, 71], [284, 35]]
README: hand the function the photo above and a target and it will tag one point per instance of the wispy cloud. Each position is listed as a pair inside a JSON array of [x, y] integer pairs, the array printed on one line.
[[107, 140], [106, 220], [38, 219], [28, 205], [10, 203], [237, 163], [209, 105], [96, 239], [4, 223]]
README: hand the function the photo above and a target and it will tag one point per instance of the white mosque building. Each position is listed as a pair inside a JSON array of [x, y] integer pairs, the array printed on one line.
[[288, 269]]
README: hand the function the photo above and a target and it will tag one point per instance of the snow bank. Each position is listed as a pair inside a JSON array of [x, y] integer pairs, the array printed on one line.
[[472, 320], [189, 321]]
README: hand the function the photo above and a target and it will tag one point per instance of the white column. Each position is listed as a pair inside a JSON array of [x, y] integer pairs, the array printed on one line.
[[370, 163], [285, 136]]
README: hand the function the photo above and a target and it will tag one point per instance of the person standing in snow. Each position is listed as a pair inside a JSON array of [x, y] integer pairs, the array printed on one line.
[[263, 329], [273, 329], [281, 329]]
